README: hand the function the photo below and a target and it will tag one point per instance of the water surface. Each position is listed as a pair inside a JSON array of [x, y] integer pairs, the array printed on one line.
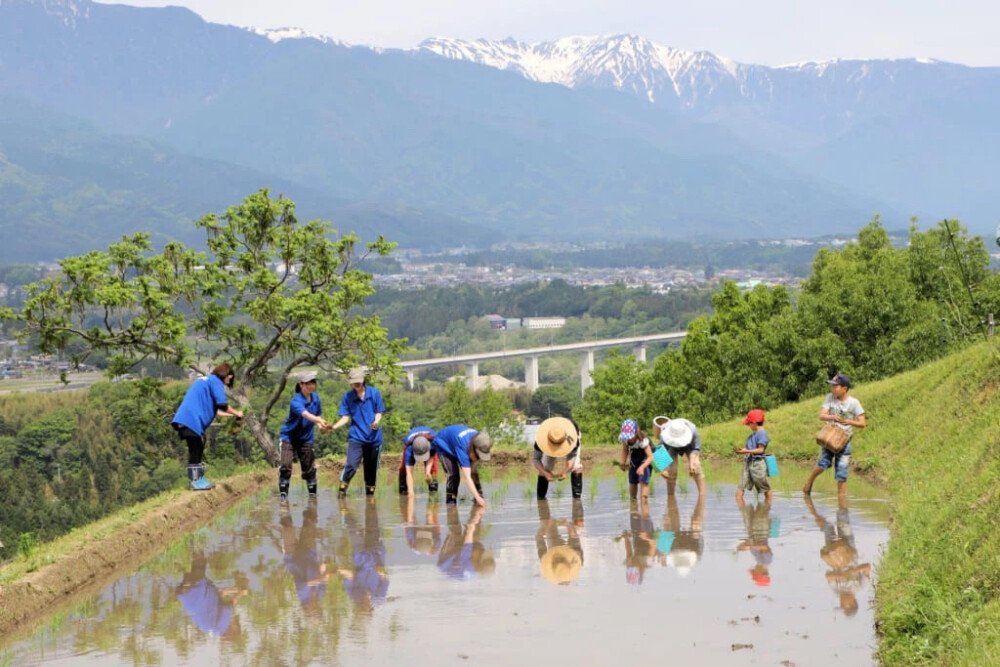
[[387, 581]]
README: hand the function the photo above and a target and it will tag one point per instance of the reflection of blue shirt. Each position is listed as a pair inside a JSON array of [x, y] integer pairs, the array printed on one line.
[[458, 565], [362, 414], [454, 441], [204, 396], [425, 431], [304, 566], [297, 429], [203, 604], [366, 576]]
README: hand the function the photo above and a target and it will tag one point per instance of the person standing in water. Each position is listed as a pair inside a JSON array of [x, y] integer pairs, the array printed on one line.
[[361, 407]]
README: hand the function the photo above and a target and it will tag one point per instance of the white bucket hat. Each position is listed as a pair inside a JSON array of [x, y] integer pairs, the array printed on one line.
[[677, 434]]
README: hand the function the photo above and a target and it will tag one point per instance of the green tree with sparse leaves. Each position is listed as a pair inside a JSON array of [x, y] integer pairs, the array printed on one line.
[[269, 295]]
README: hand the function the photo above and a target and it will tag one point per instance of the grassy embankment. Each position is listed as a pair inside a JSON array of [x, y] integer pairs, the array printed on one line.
[[932, 441]]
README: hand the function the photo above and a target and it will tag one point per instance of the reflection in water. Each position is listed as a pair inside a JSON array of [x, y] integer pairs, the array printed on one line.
[[845, 576], [682, 548], [365, 581], [640, 544], [463, 556], [424, 538], [302, 557], [210, 609], [757, 521], [560, 559], [309, 583]]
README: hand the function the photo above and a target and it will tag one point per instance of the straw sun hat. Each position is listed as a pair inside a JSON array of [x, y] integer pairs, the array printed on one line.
[[561, 564], [556, 436]]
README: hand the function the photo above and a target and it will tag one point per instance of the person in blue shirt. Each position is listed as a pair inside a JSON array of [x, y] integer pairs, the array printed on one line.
[[418, 447], [459, 448], [361, 407], [304, 413], [204, 401]]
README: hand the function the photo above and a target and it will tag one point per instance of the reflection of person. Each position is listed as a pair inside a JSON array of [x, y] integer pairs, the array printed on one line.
[[365, 582], [302, 557], [640, 544], [561, 559], [681, 438], [362, 407], [844, 412], [463, 556], [422, 539], [204, 401], [754, 466], [637, 454], [461, 448], [304, 413], [210, 609], [757, 521], [557, 454], [846, 576], [418, 447], [687, 546]]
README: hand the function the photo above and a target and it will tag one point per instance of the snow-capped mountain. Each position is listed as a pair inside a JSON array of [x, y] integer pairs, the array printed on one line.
[[699, 80], [625, 62]]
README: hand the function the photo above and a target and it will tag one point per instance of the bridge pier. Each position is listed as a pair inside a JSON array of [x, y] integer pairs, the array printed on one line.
[[586, 368], [640, 353], [472, 375], [531, 373], [411, 378]]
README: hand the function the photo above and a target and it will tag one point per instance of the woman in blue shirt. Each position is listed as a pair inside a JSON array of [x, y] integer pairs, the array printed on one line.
[[205, 399], [361, 407], [304, 413]]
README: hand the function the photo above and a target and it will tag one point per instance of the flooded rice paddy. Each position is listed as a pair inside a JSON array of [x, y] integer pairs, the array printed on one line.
[[595, 581]]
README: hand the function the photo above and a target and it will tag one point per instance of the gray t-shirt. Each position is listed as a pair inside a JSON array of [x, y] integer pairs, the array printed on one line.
[[849, 408]]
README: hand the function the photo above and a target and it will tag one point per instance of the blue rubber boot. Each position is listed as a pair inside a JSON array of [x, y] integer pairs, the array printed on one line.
[[201, 484]]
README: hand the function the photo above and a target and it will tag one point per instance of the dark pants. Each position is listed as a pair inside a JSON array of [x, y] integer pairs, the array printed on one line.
[[454, 472], [358, 453], [402, 470], [307, 462], [195, 443], [575, 482]]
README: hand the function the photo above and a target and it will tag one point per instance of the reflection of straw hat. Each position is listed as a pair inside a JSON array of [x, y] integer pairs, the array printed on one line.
[[561, 564], [682, 560], [838, 554], [556, 436]]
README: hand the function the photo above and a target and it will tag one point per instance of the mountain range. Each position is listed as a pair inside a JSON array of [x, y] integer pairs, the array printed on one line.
[[115, 118]]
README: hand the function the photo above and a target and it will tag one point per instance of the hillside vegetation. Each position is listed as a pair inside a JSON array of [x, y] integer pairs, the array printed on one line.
[[932, 441]]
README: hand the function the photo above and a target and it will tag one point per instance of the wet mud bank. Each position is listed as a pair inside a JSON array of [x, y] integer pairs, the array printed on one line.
[[94, 563]]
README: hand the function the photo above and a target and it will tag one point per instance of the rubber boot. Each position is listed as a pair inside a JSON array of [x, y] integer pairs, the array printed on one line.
[[369, 490], [205, 482], [311, 487], [342, 490], [541, 488], [193, 471], [283, 488], [432, 486], [576, 483]]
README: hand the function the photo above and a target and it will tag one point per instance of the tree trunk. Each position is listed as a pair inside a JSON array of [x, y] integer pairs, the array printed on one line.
[[262, 438]]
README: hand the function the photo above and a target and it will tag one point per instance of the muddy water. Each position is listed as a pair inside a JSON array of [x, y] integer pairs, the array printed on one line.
[[592, 581]]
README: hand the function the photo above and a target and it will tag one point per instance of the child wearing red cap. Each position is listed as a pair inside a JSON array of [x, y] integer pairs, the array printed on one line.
[[755, 467]]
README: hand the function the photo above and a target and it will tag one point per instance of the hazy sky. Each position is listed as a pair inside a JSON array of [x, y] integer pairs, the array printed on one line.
[[769, 32]]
